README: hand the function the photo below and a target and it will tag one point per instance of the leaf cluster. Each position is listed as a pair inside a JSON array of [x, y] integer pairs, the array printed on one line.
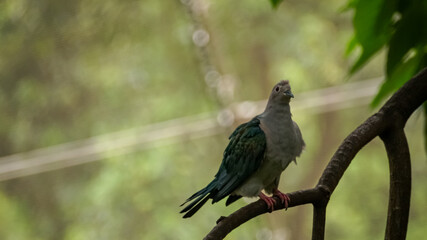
[[400, 26]]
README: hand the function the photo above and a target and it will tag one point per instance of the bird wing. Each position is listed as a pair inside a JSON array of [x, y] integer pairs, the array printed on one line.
[[300, 142], [242, 158]]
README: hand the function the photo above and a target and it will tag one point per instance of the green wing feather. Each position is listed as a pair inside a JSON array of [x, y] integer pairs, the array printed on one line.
[[242, 158]]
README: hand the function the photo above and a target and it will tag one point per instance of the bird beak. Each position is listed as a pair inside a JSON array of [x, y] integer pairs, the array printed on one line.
[[289, 94]]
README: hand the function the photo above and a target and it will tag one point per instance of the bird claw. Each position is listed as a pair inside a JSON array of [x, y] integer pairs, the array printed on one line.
[[283, 197], [269, 201]]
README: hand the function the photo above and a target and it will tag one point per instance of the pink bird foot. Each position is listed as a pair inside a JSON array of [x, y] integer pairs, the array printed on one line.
[[268, 200], [285, 199]]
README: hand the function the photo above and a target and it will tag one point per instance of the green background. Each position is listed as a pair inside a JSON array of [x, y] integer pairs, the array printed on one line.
[[72, 70]]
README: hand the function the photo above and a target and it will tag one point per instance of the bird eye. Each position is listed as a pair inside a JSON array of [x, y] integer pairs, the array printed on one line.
[[277, 89]]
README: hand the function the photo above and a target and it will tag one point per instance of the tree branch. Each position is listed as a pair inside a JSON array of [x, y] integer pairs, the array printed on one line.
[[388, 123], [400, 183], [319, 219], [226, 224]]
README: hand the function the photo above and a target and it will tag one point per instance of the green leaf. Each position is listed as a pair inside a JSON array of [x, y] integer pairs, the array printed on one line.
[[373, 27], [275, 3], [367, 53], [406, 36], [351, 45], [399, 76]]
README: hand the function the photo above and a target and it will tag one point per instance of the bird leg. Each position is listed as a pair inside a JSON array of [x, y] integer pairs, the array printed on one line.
[[268, 200], [285, 199]]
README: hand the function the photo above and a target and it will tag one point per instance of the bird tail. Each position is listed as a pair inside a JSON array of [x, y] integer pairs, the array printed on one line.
[[231, 199], [201, 197]]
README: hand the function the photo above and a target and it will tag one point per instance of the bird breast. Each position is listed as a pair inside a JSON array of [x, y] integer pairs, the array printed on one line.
[[281, 143]]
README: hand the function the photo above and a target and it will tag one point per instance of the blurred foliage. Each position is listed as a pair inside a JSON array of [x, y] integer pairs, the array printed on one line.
[[401, 27], [275, 3], [71, 70], [398, 25]]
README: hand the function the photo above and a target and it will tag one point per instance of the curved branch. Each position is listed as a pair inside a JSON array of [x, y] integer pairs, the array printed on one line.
[[400, 183], [388, 123], [226, 224], [348, 150]]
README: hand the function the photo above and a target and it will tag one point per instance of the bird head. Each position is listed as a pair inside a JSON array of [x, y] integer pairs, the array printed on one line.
[[281, 92]]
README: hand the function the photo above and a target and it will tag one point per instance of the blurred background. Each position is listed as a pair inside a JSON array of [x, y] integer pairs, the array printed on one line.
[[114, 112]]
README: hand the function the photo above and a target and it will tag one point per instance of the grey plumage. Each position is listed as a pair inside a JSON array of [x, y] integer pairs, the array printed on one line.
[[258, 152], [284, 144]]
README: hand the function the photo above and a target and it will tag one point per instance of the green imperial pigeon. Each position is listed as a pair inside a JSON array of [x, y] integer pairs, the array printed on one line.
[[258, 152]]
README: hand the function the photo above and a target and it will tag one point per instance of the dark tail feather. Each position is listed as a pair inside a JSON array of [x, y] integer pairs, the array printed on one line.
[[202, 196], [191, 205], [196, 208], [225, 190], [203, 191], [231, 199]]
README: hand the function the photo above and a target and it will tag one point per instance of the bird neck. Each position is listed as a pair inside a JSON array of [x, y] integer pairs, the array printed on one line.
[[281, 111]]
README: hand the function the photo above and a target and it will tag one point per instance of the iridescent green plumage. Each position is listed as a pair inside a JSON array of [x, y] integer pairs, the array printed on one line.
[[242, 157], [258, 152]]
